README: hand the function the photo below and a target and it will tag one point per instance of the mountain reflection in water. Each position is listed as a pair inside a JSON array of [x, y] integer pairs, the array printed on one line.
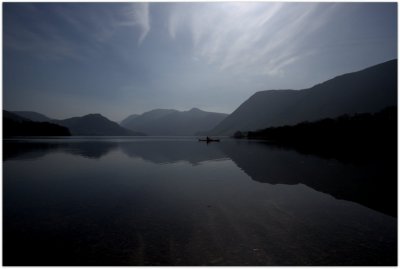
[[261, 161], [176, 201]]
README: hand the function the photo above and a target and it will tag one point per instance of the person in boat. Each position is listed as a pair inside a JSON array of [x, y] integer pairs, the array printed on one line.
[[208, 139]]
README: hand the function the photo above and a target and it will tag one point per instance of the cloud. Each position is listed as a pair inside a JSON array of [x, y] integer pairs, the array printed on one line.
[[140, 17], [42, 31], [79, 32], [46, 44], [261, 37]]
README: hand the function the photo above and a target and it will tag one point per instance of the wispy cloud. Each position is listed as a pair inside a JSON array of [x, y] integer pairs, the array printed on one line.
[[137, 15], [239, 36], [46, 44], [140, 17], [73, 31]]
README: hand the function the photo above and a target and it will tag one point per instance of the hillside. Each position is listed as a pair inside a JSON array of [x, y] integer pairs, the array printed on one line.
[[345, 137], [33, 116], [15, 125], [95, 125], [173, 122], [365, 91], [128, 119]]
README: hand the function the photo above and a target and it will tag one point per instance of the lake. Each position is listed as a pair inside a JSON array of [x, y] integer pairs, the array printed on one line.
[[177, 201]]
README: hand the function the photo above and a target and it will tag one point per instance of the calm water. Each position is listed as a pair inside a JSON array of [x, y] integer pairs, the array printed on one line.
[[176, 201]]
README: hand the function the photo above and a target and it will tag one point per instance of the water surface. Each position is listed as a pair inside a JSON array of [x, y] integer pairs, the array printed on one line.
[[176, 201]]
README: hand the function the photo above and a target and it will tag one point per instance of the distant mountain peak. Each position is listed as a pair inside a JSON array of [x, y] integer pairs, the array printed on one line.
[[94, 115], [173, 122], [94, 124], [161, 110], [131, 117], [195, 109]]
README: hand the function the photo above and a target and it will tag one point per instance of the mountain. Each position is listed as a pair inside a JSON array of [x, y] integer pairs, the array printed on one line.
[[365, 91], [131, 117], [141, 121], [33, 116], [91, 124], [95, 124], [15, 125], [173, 122], [7, 115], [351, 138]]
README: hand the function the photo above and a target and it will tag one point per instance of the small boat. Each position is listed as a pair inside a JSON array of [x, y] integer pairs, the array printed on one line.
[[208, 140]]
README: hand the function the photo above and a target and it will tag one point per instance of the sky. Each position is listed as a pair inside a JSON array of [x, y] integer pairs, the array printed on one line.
[[118, 59]]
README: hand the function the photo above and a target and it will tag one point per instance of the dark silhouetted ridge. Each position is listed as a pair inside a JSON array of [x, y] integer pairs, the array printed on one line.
[[33, 116], [366, 91], [14, 125], [345, 137]]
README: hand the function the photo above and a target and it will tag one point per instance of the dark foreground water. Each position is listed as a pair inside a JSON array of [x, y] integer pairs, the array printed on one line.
[[176, 201]]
